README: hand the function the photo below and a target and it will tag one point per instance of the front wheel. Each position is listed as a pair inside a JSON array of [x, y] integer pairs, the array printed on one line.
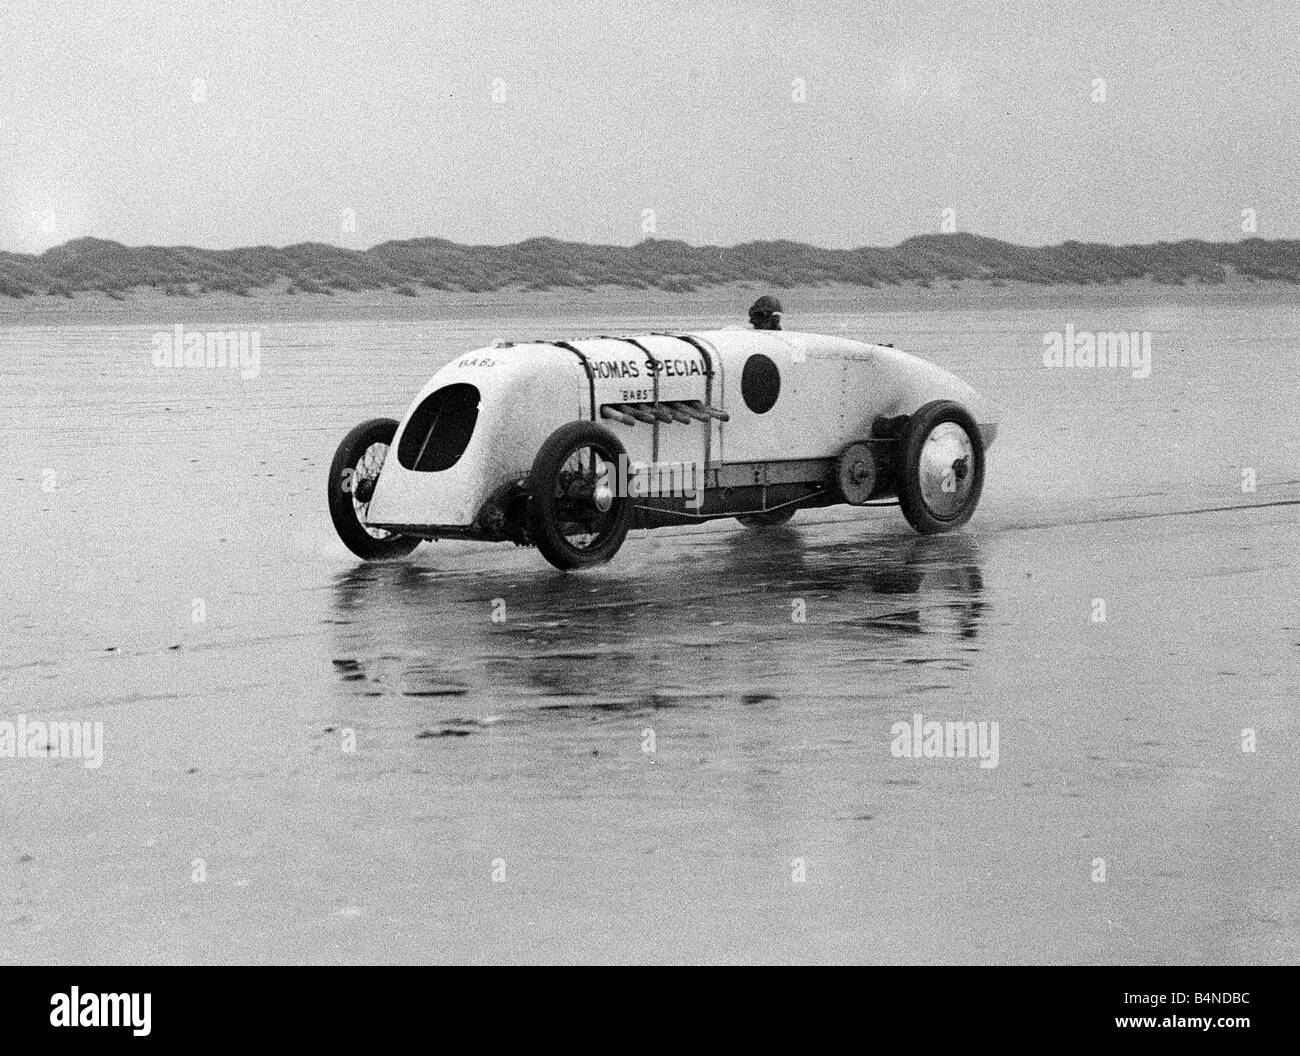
[[353, 476], [941, 469], [575, 516]]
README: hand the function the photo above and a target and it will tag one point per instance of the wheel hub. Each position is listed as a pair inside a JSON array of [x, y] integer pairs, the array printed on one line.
[[856, 470], [364, 490], [945, 469]]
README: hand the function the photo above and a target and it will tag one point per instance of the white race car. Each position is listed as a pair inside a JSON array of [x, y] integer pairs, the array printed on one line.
[[566, 445]]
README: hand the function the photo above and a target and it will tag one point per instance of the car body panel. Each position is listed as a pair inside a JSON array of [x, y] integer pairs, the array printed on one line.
[[832, 391], [518, 410]]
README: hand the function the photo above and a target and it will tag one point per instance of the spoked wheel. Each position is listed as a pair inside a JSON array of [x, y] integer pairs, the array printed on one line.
[[353, 475], [575, 518], [941, 471], [769, 519]]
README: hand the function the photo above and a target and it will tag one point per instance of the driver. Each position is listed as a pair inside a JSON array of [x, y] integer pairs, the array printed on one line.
[[765, 313]]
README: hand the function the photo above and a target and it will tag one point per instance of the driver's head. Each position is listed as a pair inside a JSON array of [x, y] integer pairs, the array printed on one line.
[[765, 313]]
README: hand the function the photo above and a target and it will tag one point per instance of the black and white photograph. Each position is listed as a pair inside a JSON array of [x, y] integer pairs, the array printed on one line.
[[660, 483]]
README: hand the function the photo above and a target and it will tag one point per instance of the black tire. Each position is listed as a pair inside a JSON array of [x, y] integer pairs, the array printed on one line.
[[769, 519], [346, 509], [918, 469], [560, 498]]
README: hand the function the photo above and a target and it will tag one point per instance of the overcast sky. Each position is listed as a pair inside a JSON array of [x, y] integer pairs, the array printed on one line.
[[225, 124]]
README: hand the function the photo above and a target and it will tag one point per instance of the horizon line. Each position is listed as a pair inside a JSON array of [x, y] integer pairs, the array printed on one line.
[[649, 239]]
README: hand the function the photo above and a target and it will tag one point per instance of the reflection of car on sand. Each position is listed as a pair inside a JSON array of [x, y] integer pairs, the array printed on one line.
[[565, 445]]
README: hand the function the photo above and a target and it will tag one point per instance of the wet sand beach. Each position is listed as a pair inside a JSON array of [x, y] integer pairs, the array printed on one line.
[[309, 759]]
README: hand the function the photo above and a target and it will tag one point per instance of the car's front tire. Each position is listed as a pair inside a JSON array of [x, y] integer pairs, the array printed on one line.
[[353, 475], [940, 469]]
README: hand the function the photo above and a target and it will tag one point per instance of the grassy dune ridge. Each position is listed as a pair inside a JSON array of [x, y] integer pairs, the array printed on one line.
[[91, 264]]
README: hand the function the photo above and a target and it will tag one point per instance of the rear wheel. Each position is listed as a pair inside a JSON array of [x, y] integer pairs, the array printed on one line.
[[353, 476], [941, 468], [575, 517]]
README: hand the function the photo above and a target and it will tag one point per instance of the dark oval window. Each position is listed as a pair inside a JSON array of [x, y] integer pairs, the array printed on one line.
[[439, 430], [760, 384]]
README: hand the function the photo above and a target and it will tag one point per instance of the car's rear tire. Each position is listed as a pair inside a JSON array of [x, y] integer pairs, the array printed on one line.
[[940, 469], [565, 495], [353, 474], [768, 519]]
